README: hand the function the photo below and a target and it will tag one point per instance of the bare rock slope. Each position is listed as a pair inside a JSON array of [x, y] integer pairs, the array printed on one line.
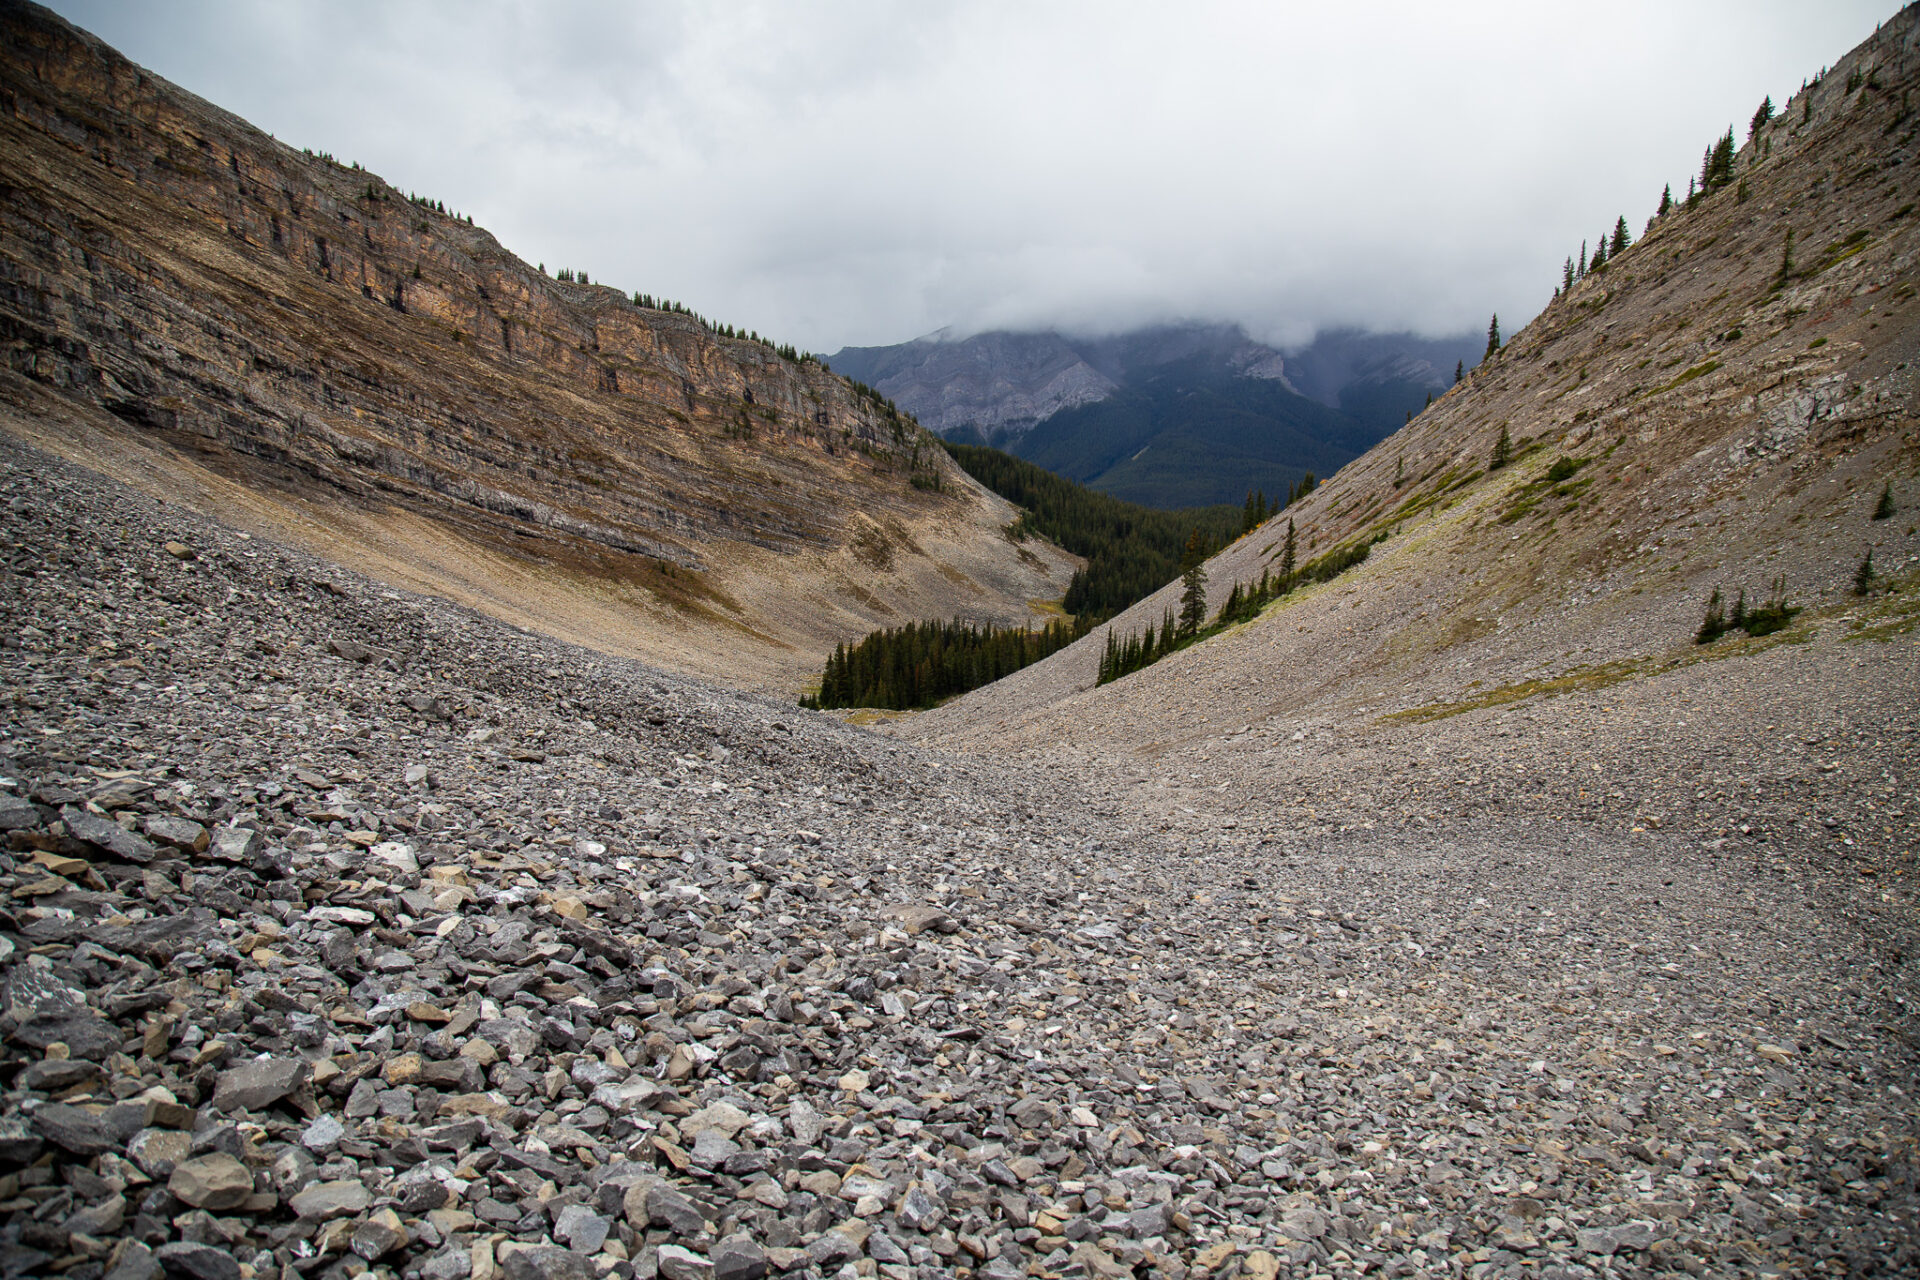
[[346, 932], [297, 345]]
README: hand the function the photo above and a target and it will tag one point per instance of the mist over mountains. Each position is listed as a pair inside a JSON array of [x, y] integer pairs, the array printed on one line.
[[1172, 415]]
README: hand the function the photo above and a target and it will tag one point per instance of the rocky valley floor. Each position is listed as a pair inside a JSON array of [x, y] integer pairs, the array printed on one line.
[[347, 931]]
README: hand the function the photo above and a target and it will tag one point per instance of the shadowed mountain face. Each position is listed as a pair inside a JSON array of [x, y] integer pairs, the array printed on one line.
[[234, 323], [1170, 416]]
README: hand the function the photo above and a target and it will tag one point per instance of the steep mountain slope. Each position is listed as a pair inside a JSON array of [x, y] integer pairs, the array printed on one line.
[[993, 385], [1724, 426], [1217, 412], [293, 343], [1190, 436]]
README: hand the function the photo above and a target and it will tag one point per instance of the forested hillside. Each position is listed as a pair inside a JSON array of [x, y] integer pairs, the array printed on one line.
[[1130, 550], [1189, 438]]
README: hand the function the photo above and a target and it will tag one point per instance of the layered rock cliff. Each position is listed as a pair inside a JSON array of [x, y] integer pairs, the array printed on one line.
[[191, 303]]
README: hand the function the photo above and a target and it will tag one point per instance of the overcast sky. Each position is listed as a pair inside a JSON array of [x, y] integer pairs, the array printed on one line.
[[862, 173]]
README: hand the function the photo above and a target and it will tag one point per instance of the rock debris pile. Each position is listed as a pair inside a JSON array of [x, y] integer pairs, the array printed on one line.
[[349, 933]]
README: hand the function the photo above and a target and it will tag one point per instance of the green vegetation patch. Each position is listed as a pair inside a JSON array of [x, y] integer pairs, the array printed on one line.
[[1556, 482], [1698, 371], [1579, 680]]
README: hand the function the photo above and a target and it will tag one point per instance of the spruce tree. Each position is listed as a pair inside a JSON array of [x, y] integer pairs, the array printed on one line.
[[1719, 170], [1761, 116], [1666, 201], [1599, 258], [1193, 600], [1459, 372], [1581, 270], [1620, 238], [1502, 450], [1864, 575], [1884, 509], [1566, 274], [1714, 624], [1493, 336], [1287, 556]]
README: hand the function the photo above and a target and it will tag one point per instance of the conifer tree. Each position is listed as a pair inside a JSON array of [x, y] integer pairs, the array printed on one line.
[[1864, 575], [1761, 116], [1566, 274], [1884, 509], [1288, 553], [1493, 335], [1193, 600], [1718, 170], [1502, 450], [1786, 263], [1599, 258], [1666, 201], [1620, 238], [1582, 269], [1714, 624], [1459, 372]]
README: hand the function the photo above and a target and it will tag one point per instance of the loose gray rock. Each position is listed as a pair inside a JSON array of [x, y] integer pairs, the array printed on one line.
[[325, 1201], [72, 1129], [581, 1229], [197, 1261], [677, 1263], [157, 1152], [544, 1262], [738, 1257], [107, 836], [212, 1182], [254, 1086]]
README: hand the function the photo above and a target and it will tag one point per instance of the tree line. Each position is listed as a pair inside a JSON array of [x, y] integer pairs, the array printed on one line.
[[924, 663], [1131, 551], [1243, 603]]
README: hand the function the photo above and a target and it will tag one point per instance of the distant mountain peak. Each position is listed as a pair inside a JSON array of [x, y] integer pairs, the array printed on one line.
[[1214, 409]]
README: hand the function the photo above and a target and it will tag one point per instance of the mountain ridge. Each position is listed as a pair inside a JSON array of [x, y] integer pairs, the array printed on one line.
[[929, 376], [175, 282], [1220, 413]]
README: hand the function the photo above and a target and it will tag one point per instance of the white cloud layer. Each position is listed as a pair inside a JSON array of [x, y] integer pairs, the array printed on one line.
[[864, 172]]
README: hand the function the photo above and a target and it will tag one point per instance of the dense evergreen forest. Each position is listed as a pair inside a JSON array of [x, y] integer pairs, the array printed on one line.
[[923, 663], [1189, 436], [1131, 551]]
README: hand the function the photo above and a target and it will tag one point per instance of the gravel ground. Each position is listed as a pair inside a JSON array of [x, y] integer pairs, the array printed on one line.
[[349, 932]]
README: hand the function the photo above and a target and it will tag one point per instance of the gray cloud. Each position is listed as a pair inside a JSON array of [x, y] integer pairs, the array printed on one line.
[[865, 172]]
